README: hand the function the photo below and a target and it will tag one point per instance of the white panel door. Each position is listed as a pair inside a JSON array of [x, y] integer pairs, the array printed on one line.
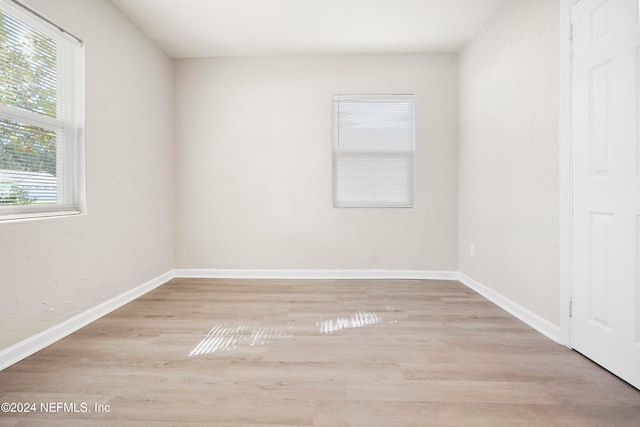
[[605, 323]]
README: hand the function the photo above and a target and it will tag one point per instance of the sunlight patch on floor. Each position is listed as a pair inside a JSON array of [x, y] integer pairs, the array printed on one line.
[[223, 337], [358, 319]]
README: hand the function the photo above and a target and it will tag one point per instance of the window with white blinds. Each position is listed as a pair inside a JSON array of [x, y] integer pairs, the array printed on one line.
[[41, 116], [373, 148]]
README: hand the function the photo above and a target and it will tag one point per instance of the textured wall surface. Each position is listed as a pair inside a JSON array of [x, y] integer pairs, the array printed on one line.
[[52, 269], [253, 161], [508, 163]]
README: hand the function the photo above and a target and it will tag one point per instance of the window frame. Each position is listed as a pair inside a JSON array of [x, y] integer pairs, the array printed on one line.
[[407, 154], [70, 160]]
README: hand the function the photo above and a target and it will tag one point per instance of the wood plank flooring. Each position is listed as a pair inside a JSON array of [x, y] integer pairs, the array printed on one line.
[[313, 353]]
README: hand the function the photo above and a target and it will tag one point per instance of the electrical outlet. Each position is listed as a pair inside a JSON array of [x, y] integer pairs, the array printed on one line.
[[472, 250]]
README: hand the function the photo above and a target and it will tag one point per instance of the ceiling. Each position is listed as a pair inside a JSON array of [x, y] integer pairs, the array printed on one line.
[[209, 28]]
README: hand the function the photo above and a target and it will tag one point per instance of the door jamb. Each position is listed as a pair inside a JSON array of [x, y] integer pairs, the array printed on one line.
[[565, 171]]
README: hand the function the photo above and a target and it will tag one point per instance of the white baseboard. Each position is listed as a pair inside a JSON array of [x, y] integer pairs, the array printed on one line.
[[37, 342], [29, 346], [315, 274], [538, 323]]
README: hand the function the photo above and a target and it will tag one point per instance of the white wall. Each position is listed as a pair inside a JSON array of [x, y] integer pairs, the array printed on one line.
[[508, 163], [53, 269], [253, 165]]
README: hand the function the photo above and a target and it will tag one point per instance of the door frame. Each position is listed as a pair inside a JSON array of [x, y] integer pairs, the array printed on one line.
[[565, 215]]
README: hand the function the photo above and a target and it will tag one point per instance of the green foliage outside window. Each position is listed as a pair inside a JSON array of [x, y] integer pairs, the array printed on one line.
[[28, 80]]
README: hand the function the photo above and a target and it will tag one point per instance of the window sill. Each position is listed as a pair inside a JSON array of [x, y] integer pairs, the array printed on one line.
[[30, 216]]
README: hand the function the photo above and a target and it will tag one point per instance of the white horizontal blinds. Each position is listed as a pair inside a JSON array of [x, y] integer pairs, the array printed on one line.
[[373, 146], [69, 111], [40, 120]]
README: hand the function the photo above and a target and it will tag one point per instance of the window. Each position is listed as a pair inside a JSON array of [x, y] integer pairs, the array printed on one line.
[[373, 145], [41, 116]]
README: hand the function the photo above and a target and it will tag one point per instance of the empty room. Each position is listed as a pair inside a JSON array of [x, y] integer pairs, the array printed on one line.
[[320, 212]]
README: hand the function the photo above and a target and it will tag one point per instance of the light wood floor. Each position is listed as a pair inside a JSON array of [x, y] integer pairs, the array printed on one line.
[[315, 353]]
